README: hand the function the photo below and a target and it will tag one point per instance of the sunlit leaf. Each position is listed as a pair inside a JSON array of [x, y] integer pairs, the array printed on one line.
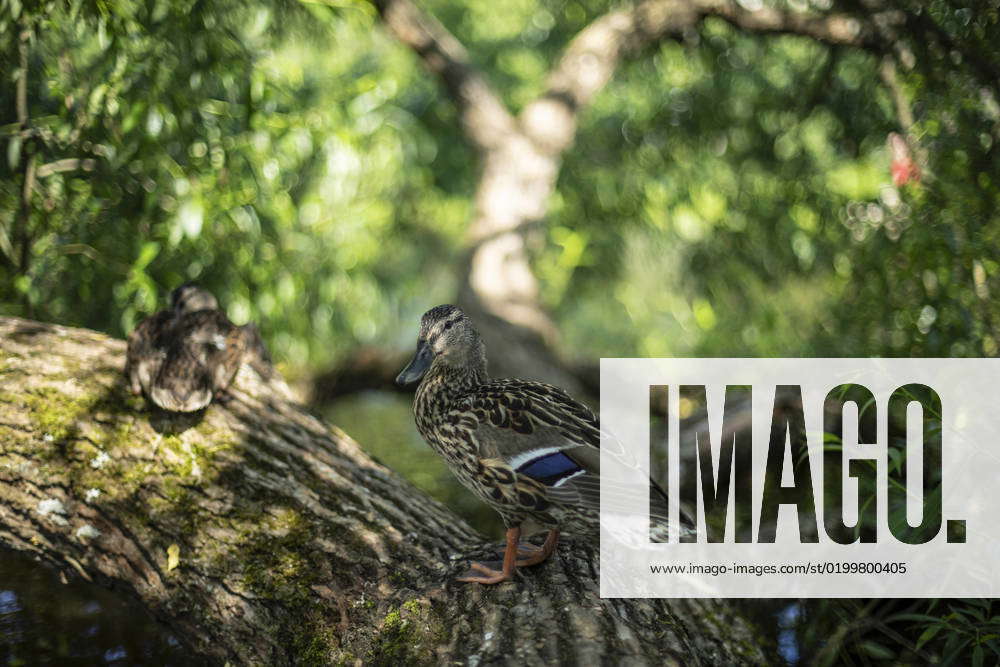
[[14, 151], [173, 557], [146, 255], [877, 650], [928, 634]]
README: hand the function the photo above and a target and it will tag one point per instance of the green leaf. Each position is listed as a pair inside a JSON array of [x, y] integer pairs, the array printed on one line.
[[147, 254], [928, 635], [22, 284], [976, 614], [978, 656], [953, 648], [173, 557], [14, 151], [876, 650], [912, 617]]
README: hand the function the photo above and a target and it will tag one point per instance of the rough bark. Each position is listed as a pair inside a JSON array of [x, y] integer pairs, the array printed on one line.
[[261, 535]]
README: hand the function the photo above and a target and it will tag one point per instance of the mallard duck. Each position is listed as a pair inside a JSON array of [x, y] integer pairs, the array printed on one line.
[[527, 449], [181, 358]]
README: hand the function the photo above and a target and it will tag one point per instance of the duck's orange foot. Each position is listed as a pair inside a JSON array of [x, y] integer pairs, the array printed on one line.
[[527, 550], [529, 554], [515, 555], [487, 575]]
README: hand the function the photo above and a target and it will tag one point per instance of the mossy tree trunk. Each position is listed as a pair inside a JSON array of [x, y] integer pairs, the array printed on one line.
[[261, 535]]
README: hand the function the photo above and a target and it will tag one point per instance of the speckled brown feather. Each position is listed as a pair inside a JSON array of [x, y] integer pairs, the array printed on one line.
[[489, 422], [182, 358], [145, 353], [525, 448], [475, 423], [202, 358], [487, 429]]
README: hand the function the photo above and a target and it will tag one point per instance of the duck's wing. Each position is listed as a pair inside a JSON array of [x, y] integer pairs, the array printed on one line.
[[201, 360], [256, 353], [144, 355], [543, 433], [183, 383]]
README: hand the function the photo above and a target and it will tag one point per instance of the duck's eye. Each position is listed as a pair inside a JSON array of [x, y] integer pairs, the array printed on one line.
[[448, 325]]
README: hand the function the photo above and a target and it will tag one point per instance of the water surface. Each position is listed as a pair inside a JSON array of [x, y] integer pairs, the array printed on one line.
[[46, 622]]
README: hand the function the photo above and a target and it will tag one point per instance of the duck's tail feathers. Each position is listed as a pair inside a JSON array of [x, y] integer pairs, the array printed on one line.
[[181, 401], [182, 385]]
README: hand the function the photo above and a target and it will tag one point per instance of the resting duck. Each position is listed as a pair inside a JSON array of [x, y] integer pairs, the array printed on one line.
[[183, 357], [527, 449]]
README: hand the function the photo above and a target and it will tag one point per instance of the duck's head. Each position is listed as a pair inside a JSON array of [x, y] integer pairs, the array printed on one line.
[[189, 298], [446, 337]]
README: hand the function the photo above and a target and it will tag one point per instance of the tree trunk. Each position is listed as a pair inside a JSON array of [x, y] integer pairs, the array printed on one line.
[[499, 289], [261, 535], [520, 157]]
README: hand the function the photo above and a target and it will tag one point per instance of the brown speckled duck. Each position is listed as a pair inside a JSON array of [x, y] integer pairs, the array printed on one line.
[[527, 449], [183, 357]]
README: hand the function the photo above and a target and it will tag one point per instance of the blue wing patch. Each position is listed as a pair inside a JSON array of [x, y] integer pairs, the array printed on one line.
[[550, 469]]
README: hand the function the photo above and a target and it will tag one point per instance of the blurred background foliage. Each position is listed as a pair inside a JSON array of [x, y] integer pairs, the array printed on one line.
[[728, 194], [277, 154]]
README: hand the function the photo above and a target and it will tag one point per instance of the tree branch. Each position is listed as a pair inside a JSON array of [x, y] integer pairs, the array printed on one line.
[[21, 102], [830, 29], [363, 369], [520, 158], [291, 546], [590, 60], [483, 116], [887, 72], [66, 164], [375, 369], [592, 56], [27, 151]]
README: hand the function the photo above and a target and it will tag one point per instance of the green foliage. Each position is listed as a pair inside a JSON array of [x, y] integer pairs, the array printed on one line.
[[746, 208], [274, 153], [728, 194], [900, 632]]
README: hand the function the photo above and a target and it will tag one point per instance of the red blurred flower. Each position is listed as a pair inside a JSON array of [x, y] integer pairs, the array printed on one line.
[[903, 168]]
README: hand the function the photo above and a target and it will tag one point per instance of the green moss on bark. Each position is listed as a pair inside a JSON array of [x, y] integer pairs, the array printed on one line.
[[407, 636]]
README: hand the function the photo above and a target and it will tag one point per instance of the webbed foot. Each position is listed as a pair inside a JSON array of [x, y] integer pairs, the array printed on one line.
[[487, 575], [532, 555]]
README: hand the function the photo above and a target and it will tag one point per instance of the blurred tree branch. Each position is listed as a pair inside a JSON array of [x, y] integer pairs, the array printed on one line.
[[592, 57], [904, 114], [484, 118], [375, 369], [521, 157], [26, 150], [65, 164]]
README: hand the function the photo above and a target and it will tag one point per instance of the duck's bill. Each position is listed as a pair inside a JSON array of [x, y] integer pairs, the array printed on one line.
[[417, 367]]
